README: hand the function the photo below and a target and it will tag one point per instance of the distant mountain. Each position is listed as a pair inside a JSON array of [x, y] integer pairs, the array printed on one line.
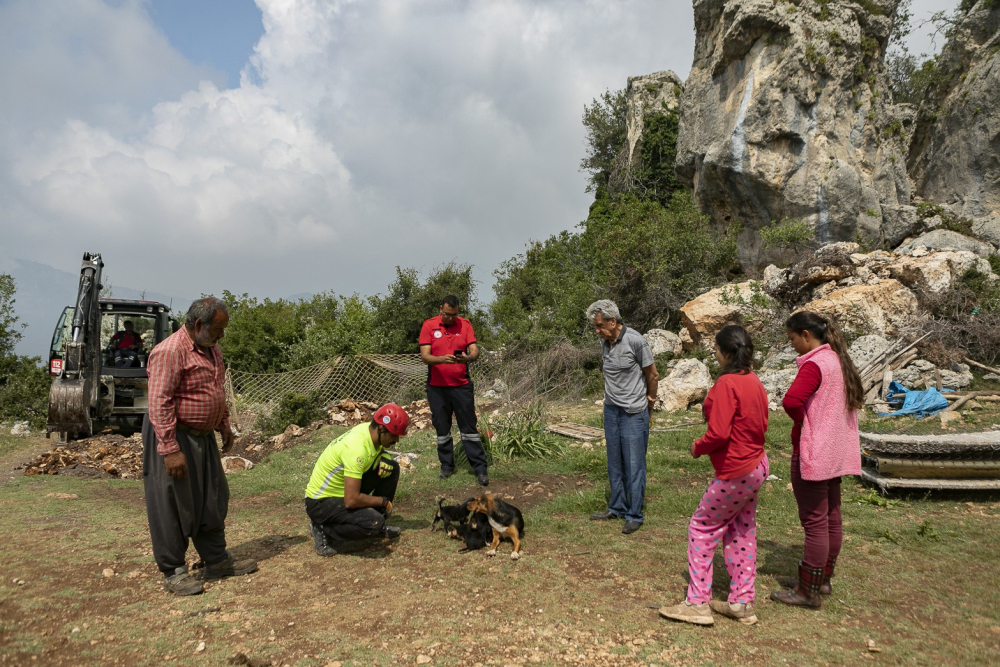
[[43, 292]]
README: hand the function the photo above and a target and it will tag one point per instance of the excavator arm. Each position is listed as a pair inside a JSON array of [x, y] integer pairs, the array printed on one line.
[[75, 392]]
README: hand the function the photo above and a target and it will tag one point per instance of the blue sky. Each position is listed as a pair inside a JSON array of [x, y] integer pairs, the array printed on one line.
[[217, 33]]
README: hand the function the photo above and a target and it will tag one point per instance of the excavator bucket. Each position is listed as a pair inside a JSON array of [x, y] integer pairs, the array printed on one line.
[[69, 408]]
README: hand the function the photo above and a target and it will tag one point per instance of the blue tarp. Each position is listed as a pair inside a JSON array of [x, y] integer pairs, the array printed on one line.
[[920, 403]]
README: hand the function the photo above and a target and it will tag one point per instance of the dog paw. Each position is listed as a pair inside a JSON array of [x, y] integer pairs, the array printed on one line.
[[491, 552], [514, 555]]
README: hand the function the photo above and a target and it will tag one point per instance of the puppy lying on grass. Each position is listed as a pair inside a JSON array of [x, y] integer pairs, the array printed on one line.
[[505, 520]]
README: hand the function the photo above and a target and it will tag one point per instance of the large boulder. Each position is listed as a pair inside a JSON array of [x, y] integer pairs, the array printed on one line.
[[777, 382], [956, 153], [988, 229], [883, 308], [864, 349], [705, 315], [936, 271], [786, 113], [945, 239], [688, 382], [661, 341], [779, 357]]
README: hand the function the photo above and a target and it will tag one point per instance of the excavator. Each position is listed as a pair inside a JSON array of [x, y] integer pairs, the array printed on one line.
[[98, 357]]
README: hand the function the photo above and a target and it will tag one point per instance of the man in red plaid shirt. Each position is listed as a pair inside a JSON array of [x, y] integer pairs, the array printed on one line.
[[187, 496]]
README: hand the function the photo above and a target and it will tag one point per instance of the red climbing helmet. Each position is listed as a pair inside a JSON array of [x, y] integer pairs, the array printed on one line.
[[393, 417]]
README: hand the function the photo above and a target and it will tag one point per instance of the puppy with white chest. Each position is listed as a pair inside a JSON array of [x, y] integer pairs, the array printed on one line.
[[506, 521]]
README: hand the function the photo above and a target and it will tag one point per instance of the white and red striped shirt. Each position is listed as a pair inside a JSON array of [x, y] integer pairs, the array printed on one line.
[[186, 385]]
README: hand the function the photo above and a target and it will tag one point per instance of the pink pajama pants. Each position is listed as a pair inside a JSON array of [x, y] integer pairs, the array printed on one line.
[[727, 513]]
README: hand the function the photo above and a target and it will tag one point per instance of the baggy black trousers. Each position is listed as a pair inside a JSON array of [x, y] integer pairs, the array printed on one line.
[[342, 524], [460, 401], [191, 508]]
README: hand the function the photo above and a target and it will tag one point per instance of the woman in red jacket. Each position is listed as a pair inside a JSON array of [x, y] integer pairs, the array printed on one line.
[[736, 412]]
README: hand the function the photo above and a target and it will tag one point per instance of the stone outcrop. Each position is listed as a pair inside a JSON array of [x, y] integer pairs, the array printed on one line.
[[784, 114], [661, 341], [955, 154], [653, 93], [705, 315], [688, 382], [883, 308]]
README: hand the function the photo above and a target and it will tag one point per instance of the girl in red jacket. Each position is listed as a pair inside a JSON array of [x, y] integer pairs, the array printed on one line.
[[736, 412], [823, 403]]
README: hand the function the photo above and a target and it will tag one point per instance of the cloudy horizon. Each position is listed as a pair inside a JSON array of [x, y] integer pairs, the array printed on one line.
[[361, 136]]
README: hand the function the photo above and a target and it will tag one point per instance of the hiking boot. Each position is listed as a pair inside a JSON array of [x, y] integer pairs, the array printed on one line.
[[320, 542], [182, 582], [741, 612], [446, 473], [483, 479], [603, 516], [630, 527], [806, 591], [699, 614], [230, 568], [391, 532]]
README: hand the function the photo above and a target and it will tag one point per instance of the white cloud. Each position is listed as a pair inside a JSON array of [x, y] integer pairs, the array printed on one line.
[[363, 135]]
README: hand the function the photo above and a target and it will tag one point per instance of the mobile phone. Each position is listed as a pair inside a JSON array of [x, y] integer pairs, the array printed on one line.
[[459, 353]]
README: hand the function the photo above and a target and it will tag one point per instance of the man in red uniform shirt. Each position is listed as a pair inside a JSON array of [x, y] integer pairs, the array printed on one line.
[[187, 496], [447, 345]]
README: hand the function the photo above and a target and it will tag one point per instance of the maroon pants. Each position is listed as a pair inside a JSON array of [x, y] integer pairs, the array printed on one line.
[[819, 514]]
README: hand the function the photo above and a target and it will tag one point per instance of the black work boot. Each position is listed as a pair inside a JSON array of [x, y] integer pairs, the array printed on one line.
[[806, 592], [230, 568], [320, 541], [182, 582]]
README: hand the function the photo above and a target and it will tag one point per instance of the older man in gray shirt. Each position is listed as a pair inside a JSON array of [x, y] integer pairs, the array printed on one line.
[[630, 384]]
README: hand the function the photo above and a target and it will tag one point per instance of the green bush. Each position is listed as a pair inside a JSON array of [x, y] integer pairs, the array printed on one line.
[[299, 409]]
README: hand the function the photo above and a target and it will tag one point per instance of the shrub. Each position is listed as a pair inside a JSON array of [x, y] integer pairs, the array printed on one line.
[[299, 409], [519, 434]]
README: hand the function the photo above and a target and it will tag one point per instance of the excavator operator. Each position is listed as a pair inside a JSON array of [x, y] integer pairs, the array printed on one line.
[[126, 345]]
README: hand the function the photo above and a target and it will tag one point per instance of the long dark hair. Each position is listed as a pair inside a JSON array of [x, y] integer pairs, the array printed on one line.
[[825, 330], [734, 342]]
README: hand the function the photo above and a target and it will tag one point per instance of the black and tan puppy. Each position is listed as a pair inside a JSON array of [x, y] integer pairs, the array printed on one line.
[[451, 517], [477, 533], [506, 521]]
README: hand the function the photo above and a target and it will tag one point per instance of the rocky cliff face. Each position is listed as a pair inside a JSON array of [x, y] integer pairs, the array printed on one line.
[[786, 114], [658, 92], [955, 157]]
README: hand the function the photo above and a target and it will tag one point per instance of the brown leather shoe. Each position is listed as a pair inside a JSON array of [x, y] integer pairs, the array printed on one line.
[[230, 568]]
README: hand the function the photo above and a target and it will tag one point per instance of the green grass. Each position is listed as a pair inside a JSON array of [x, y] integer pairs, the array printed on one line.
[[579, 592]]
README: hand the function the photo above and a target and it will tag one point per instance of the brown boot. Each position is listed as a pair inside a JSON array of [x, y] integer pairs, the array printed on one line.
[[826, 588], [806, 593]]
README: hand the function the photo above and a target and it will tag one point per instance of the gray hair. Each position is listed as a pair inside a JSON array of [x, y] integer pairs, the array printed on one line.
[[204, 309], [606, 308]]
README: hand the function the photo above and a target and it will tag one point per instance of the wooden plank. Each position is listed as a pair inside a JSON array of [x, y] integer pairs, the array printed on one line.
[[576, 431], [983, 366]]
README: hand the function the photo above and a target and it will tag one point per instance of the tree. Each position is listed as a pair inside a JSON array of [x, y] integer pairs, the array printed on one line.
[[24, 383], [399, 314], [605, 122]]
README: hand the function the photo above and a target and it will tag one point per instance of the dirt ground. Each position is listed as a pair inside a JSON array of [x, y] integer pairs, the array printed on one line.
[[79, 585]]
